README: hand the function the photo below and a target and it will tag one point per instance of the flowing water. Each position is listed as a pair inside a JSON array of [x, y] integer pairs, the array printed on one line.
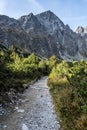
[[35, 111]]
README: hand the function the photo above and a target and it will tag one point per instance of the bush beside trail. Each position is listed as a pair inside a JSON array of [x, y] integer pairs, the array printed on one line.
[[68, 85]]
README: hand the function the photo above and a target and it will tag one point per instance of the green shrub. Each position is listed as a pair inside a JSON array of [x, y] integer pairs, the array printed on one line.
[[68, 85], [14, 67]]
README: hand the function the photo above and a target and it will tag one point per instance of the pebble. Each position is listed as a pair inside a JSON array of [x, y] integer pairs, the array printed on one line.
[[24, 127], [16, 108], [20, 110], [21, 117], [5, 126]]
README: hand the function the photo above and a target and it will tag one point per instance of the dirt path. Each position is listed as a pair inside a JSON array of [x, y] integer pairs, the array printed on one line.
[[35, 111]]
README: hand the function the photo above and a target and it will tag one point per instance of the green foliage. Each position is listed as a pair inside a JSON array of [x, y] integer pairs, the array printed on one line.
[[43, 68], [14, 69], [51, 63], [68, 84]]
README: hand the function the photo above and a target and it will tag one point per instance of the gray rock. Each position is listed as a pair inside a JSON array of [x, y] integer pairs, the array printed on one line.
[[80, 29], [45, 35]]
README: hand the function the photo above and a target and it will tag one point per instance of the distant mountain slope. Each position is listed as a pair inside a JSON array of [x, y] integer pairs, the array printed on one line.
[[45, 34]]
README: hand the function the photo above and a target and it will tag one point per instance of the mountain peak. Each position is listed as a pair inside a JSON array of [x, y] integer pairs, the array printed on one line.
[[50, 21], [45, 34], [80, 29], [47, 13], [31, 14]]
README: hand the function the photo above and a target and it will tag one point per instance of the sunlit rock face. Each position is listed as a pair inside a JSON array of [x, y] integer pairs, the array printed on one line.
[[82, 41], [45, 35]]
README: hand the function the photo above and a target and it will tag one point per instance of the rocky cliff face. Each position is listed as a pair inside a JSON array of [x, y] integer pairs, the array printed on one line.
[[81, 30], [45, 34], [82, 41], [11, 32]]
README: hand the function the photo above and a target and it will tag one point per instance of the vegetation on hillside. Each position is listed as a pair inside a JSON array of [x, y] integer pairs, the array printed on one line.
[[18, 68], [68, 85], [67, 82]]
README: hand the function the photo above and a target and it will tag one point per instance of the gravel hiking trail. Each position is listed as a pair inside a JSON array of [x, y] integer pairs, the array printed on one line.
[[34, 112]]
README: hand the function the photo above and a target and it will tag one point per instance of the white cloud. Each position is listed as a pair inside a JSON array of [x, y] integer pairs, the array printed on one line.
[[2, 6], [35, 6]]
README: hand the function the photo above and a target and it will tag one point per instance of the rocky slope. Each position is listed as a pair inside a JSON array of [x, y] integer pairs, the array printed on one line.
[[82, 41], [45, 34], [81, 30]]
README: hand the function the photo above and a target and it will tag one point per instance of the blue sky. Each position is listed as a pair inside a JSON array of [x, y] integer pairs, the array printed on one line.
[[72, 12]]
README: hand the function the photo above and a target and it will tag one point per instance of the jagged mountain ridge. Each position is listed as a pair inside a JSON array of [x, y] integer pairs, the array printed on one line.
[[81, 30], [45, 34]]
